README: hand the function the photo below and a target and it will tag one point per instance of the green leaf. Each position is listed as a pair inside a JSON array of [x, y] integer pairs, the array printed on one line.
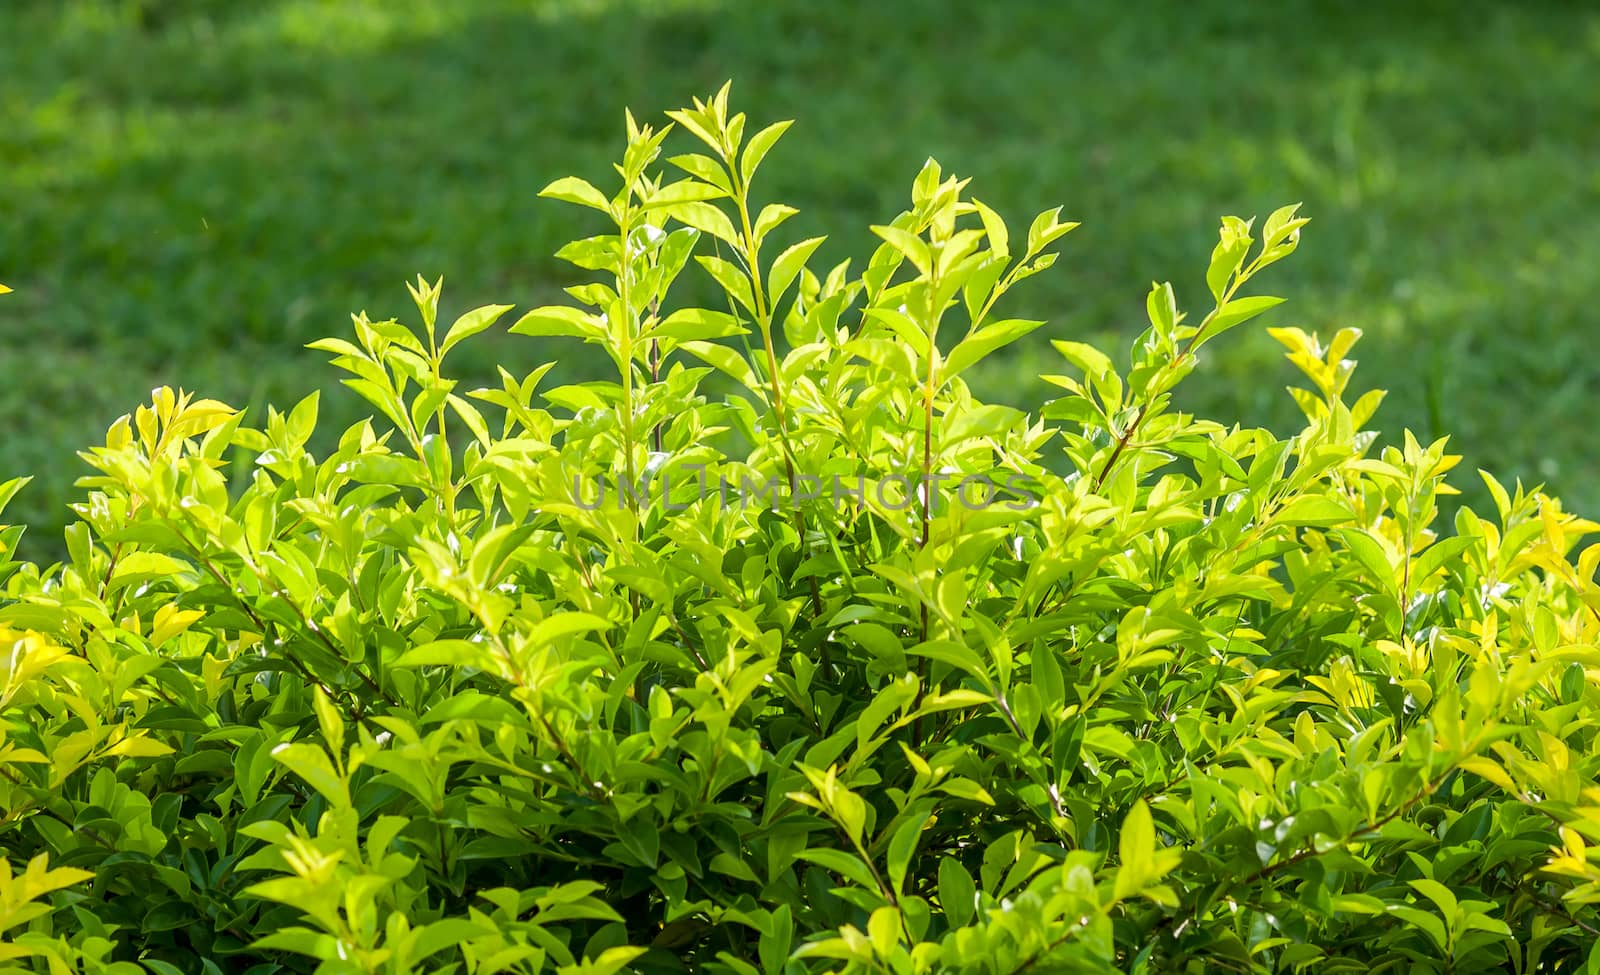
[[557, 628], [967, 789], [776, 942], [725, 360], [137, 567], [470, 324], [730, 279], [558, 320], [301, 941], [1314, 511], [1136, 849], [1428, 923], [471, 417], [1045, 229], [982, 343], [1357, 904], [1233, 243], [1369, 554], [770, 218], [302, 421], [603, 253], [1438, 893], [960, 697], [9, 489], [609, 961], [571, 189], [902, 846], [690, 324], [429, 402], [787, 266], [685, 191], [430, 939], [704, 168], [846, 865], [329, 720], [449, 653], [757, 148], [1162, 307], [1440, 553], [957, 655], [908, 245], [995, 228], [979, 421], [311, 764], [1238, 311], [385, 469], [1097, 368], [1280, 225], [707, 219], [892, 698], [850, 811], [958, 894]]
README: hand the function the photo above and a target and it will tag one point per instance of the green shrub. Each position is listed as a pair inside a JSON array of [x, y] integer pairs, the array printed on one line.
[[847, 677]]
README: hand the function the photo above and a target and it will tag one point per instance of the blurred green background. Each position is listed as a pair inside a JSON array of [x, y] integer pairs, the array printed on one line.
[[192, 189]]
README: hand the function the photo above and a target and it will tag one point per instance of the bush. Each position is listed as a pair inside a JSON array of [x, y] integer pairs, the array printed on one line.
[[834, 672]]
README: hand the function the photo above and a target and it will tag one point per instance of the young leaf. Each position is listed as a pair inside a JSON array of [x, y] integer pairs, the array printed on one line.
[[788, 265], [470, 324], [571, 189], [757, 148]]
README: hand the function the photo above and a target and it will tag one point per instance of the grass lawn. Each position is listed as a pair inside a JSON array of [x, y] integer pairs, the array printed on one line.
[[192, 189]]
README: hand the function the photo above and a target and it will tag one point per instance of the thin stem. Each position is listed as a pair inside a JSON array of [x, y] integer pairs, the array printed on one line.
[[927, 473], [655, 373], [1359, 834], [1039, 955], [261, 625], [47, 811], [1133, 426], [519, 680], [752, 259], [629, 326]]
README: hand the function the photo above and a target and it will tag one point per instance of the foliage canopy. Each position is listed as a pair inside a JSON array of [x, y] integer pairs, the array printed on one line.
[[1210, 700]]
